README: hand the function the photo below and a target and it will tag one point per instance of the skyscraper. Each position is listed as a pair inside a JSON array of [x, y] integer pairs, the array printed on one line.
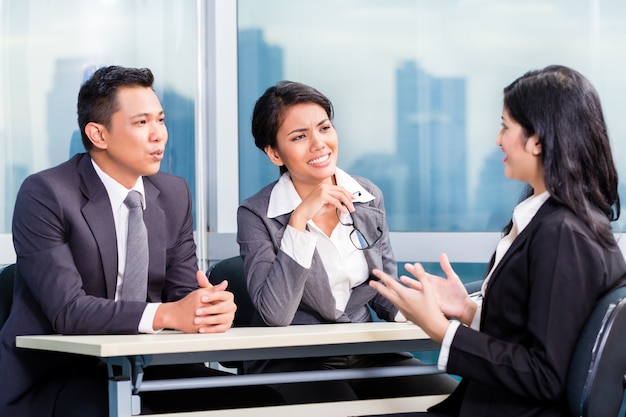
[[263, 68], [431, 126]]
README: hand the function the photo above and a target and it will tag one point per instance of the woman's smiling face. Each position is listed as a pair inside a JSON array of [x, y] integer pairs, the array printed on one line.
[[306, 144], [522, 160]]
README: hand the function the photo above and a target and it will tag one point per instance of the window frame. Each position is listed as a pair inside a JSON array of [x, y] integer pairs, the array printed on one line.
[[217, 164], [223, 172], [223, 161]]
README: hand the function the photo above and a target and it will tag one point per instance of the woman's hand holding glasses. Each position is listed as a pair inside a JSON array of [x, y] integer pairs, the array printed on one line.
[[323, 199]]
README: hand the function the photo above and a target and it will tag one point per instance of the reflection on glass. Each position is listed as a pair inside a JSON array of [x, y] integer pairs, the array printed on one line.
[[417, 99], [49, 48]]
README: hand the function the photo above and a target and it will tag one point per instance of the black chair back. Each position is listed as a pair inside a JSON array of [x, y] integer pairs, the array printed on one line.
[[595, 386], [231, 269], [6, 292]]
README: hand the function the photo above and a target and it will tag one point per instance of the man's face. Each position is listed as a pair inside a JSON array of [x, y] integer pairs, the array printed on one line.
[[133, 145]]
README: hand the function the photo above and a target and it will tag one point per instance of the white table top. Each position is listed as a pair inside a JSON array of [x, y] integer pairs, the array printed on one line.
[[234, 339]]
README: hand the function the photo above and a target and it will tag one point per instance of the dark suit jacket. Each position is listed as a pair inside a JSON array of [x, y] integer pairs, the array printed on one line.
[[536, 304], [66, 273]]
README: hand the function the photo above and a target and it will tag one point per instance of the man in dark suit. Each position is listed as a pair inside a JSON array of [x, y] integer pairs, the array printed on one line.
[[69, 232]]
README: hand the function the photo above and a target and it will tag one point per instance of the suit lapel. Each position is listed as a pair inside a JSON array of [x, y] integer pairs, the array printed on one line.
[[154, 217], [370, 221], [98, 215], [547, 208], [317, 289]]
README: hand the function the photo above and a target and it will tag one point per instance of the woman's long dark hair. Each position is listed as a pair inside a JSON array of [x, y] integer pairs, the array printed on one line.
[[563, 109]]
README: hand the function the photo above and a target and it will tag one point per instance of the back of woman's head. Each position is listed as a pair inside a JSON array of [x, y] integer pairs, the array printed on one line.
[[269, 109], [563, 109]]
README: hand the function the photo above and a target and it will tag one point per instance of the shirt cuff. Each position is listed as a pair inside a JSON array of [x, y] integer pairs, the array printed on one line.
[[444, 351], [400, 317], [300, 246], [147, 318], [475, 324]]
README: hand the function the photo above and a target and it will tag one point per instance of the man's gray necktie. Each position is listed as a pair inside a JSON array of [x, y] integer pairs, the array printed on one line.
[[135, 283]]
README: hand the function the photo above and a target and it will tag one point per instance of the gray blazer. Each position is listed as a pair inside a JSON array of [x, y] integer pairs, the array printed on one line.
[[284, 292]]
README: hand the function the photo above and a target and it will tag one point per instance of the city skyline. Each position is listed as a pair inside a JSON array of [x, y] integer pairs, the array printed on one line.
[[350, 49], [424, 180]]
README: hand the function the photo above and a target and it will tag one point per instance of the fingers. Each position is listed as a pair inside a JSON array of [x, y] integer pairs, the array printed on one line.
[[445, 265], [216, 294], [411, 283], [387, 286], [216, 316], [202, 279], [447, 269], [417, 270], [327, 196], [205, 310], [215, 328], [381, 275], [339, 198], [346, 201]]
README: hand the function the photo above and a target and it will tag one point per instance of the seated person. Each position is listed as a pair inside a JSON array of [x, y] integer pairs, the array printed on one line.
[[557, 258], [309, 242], [72, 277]]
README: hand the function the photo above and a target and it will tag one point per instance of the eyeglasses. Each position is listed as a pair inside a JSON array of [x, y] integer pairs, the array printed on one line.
[[356, 237]]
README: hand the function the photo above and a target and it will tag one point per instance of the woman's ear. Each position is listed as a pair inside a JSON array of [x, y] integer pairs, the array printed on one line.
[[274, 156], [96, 134], [533, 145]]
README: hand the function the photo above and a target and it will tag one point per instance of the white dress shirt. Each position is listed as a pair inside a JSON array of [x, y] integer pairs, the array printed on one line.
[[345, 265], [117, 194]]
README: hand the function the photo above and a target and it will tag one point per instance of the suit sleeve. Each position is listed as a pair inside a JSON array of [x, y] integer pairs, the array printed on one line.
[[181, 260], [275, 281], [46, 215], [384, 308], [565, 274]]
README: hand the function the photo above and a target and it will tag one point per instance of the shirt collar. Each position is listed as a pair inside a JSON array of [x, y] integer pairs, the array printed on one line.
[[117, 192], [284, 197], [526, 210]]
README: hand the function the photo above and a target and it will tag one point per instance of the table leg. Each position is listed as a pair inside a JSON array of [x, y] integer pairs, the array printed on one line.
[[122, 401]]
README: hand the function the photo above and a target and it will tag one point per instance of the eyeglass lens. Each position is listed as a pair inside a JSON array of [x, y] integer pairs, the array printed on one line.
[[358, 240]]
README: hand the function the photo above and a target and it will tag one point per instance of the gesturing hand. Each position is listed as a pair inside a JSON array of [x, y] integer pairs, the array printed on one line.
[[450, 293], [419, 305]]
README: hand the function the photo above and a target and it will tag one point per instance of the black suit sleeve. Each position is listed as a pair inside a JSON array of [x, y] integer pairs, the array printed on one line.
[[533, 312]]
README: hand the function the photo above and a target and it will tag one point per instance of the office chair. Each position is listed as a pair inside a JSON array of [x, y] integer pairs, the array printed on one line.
[[231, 269], [596, 380], [6, 292]]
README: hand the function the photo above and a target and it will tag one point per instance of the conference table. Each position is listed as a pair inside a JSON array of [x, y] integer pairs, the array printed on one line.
[[127, 355]]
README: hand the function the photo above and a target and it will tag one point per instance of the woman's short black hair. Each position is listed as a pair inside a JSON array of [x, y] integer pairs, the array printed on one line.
[[270, 108]]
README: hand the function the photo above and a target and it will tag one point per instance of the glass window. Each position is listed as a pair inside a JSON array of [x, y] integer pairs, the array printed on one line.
[[417, 89], [47, 50]]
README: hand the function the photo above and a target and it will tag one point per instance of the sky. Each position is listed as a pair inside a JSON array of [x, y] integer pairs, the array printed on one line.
[[349, 50]]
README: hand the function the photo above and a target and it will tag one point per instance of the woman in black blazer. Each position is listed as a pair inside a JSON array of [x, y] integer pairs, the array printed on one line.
[[512, 344]]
